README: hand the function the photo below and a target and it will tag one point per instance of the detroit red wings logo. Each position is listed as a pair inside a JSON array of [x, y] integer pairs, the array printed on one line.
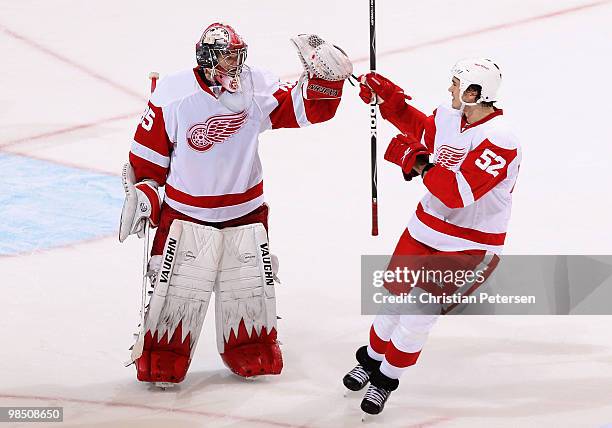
[[448, 156], [216, 130]]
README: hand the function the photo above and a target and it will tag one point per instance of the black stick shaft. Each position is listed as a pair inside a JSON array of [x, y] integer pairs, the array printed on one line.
[[373, 121]]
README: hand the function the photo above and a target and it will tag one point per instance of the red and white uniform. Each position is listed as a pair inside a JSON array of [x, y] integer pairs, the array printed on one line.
[[470, 187], [207, 155], [465, 212]]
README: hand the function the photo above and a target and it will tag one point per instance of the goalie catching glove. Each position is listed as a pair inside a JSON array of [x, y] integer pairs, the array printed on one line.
[[403, 151], [322, 59], [141, 204], [325, 67]]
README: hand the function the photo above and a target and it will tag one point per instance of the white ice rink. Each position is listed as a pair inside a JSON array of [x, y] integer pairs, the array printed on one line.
[[73, 81]]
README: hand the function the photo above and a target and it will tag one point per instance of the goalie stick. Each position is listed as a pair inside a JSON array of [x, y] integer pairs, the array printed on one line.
[[139, 345]]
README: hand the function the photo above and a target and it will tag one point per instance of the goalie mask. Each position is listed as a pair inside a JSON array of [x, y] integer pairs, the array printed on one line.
[[222, 51]]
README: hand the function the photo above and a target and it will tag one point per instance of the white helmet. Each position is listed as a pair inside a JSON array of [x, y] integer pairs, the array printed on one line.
[[478, 71]]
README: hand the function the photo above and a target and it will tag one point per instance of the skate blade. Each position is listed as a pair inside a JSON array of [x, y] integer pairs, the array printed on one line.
[[246, 379], [348, 392], [250, 379], [164, 385], [364, 417]]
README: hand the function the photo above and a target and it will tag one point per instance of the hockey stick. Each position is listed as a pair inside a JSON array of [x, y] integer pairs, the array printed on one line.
[[154, 75], [373, 120], [139, 345]]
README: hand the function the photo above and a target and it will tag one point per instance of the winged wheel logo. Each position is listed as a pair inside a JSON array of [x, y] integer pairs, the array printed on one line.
[[216, 130], [448, 156]]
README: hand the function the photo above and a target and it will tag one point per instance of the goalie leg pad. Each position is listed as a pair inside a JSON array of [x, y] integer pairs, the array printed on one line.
[[245, 303], [179, 302]]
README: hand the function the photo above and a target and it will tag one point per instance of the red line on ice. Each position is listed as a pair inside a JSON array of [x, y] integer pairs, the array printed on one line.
[[134, 94], [64, 163], [91, 73], [492, 28], [409, 48], [67, 130], [430, 422], [154, 408]]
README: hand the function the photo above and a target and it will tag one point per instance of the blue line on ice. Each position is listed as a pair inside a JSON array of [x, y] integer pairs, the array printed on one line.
[[45, 205]]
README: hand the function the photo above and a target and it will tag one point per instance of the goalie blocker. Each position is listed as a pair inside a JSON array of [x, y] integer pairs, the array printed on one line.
[[236, 263]]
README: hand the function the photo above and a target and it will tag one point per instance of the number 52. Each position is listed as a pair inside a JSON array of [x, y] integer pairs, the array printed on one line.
[[485, 162]]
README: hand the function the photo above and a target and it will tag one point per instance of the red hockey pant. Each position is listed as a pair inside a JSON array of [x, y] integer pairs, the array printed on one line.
[[397, 339]]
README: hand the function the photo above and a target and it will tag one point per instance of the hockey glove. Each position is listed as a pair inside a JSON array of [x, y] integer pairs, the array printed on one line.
[[375, 85], [403, 151], [141, 204], [322, 59], [410, 175]]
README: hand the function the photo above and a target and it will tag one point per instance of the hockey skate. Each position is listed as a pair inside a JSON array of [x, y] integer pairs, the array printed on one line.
[[359, 376], [378, 392]]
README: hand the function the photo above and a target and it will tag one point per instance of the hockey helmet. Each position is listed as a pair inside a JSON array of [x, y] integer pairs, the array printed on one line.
[[478, 71]]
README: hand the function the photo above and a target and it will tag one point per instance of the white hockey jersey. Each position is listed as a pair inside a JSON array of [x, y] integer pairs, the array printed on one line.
[[205, 154], [470, 187]]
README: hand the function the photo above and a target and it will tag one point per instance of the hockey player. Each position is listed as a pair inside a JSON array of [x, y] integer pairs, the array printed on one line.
[[464, 215], [198, 138]]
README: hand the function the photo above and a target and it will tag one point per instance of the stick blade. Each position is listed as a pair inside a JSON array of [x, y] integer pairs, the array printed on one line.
[[138, 348]]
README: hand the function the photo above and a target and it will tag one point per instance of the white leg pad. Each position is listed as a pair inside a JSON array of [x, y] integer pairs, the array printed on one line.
[[185, 281], [245, 283]]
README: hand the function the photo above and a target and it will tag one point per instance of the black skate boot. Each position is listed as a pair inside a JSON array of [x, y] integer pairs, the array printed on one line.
[[378, 392], [357, 378]]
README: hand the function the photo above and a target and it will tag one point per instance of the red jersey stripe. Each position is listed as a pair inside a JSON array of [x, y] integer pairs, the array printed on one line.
[[458, 231], [215, 201]]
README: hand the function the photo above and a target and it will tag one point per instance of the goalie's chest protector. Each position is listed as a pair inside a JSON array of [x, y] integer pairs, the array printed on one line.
[[215, 172]]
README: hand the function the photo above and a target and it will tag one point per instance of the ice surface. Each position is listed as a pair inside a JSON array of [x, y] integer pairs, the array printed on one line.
[[72, 86], [47, 205]]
